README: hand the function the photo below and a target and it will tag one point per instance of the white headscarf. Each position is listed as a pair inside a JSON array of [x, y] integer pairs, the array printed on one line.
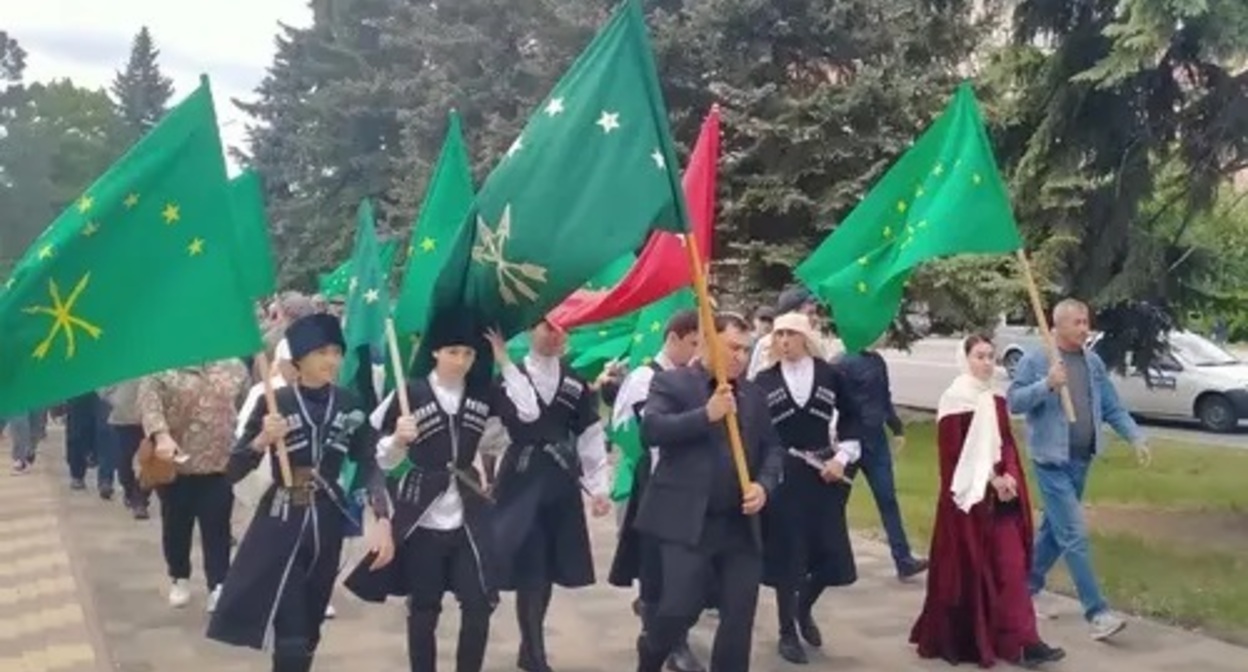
[[800, 324], [981, 449]]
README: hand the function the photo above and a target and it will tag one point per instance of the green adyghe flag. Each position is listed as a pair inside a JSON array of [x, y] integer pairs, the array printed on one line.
[[592, 173], [645, 343], [943, 197], [255, 252], [337, 283], [368, 305], [442, 214], [591, 346], [138, 275]]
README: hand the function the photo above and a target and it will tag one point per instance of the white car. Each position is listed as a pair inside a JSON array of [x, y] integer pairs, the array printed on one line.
[[1196, 379]]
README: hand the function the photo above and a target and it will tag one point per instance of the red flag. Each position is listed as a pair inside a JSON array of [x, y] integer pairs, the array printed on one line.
[[663, 265]]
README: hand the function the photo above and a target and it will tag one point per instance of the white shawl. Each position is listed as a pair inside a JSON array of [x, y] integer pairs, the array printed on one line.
[[981, 449]]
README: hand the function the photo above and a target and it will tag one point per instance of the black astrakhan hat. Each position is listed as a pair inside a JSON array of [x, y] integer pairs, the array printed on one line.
[[313, 332]]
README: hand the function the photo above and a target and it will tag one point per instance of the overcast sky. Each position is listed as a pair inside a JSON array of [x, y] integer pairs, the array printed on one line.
[[89, 40]]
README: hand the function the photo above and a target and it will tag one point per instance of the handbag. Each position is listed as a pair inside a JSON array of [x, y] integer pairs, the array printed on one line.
[[152, 470]]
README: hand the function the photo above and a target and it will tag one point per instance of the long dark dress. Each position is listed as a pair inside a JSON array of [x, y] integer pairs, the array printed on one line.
[[978, 608]]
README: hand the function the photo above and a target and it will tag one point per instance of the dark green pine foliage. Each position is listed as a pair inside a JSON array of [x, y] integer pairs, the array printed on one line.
[[141, 91], [328, 134], [1122, 122]]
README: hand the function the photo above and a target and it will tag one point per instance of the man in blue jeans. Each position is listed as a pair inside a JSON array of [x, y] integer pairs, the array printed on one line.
[[1062, 452], [87, 433], [866, 375]]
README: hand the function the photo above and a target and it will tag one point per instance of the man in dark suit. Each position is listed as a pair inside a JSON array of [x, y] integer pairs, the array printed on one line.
[[694, 506]]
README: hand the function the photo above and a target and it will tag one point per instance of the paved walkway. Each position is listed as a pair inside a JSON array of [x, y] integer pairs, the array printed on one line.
[[81, 590]]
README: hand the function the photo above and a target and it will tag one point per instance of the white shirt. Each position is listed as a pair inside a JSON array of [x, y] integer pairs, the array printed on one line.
[[635, 390], [447, 511], [282, 351], [799, 378], [591, 445]]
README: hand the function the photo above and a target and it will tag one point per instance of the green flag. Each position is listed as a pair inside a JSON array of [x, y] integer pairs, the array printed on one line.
[[255, 252], [645, 343], [138, 275], [368, 305], [943, 197], [591, 346], [592, 173], [447, 201], [337, 283]]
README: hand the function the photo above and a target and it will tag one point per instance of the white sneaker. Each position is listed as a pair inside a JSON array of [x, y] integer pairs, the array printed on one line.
[[213, 597], [330, 612], [1106, 625], [180, 593]]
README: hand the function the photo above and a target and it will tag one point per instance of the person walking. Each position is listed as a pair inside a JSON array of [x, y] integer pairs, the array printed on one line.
[[189, 415], [695, 506], [127, 426], [866, 377], [1062, 452]]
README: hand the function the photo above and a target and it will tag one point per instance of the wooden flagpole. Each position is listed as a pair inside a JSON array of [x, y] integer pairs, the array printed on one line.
[[270, 400], [1042, 322], [711, 338]]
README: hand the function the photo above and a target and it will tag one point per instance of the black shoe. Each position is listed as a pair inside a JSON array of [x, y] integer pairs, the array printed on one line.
[[791, 650], [809, 630], [1040, 654], [911, 568], [77, 484], [139, 511], [106, 492], [682, 659], [647, 661]]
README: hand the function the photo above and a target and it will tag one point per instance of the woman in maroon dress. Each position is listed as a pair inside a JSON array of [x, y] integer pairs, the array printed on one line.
[[978, 609]]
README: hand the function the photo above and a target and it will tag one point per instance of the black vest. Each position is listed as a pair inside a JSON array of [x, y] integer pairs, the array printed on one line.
[[323, 428], [573, 410], [441, 438], [804, 427]]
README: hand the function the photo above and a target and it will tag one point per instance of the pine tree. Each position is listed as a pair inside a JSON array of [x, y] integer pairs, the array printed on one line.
[[140, 91]]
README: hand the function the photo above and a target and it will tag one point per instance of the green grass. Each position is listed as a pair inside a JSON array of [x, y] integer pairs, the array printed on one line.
[[1184, 583]]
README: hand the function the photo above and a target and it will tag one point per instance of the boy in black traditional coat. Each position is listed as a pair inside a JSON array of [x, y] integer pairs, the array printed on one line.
[[539, 519], [284, 572], [441, 527]]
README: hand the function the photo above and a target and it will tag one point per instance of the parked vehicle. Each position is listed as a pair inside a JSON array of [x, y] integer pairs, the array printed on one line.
[[1194, 379]]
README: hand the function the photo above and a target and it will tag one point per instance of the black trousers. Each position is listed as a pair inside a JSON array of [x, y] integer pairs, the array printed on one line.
[[204, 498], [727, 559], [434, 562], [128, 439]]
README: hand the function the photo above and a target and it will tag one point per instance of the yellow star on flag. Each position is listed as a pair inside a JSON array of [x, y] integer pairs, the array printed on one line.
[[132, 199], [976, 179], [901, 207], [45, 252], [864, 260], [655, 326], [938, 170], [85, 203], [428, 244], [171, 213], [602, 332], [196, 247], [372, 296], [862, 287], [918, 191], [888, 232], [90, 229], [637, 338]]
